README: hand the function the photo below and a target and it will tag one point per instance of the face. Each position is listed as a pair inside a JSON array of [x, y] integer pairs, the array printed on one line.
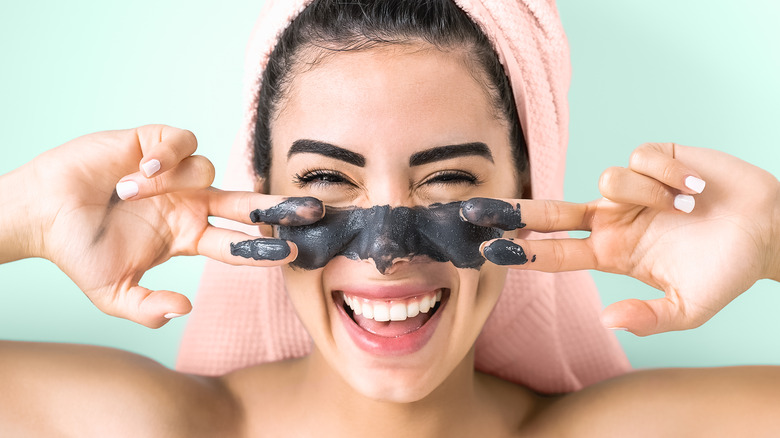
[[393, 126]]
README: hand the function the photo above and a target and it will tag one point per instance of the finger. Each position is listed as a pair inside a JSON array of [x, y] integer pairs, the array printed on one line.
[[237, 248], [626, 186], [195, 172], [164, 147], [644, 318], [139, 304], [252, 208], [657, 160], [550, 255], [537, 215]]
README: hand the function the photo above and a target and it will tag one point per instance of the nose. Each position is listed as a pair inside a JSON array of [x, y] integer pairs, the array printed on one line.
[[388, 237]]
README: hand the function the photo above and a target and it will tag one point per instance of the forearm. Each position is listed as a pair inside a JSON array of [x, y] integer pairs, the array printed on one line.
[[20, 235]]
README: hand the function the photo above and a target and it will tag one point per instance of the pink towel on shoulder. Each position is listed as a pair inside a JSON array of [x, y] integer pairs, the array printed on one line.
[[544, 332]]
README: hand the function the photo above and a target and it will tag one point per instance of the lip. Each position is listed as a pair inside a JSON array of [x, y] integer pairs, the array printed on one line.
[[383, 346], [387, 293]]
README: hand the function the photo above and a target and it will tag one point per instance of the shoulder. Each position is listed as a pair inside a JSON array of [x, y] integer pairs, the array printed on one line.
[[158, 401], [672, 402], [56, 389]]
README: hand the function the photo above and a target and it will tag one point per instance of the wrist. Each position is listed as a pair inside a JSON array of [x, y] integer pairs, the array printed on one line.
[[20, 234], [773, 270]]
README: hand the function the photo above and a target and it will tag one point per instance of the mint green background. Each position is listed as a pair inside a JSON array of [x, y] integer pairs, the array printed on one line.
[[697, 72]]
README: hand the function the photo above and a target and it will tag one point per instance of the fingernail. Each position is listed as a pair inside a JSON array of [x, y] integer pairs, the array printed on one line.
[[173, 315], [261, 249], [503, 252], [618, 329], [684, 203], [695, 184], [492, 213], [126, 189], [150, 167], [291, 212]]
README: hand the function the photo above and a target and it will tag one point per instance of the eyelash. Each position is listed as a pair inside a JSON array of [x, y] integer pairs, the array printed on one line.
[[452, 177], [319, 177]]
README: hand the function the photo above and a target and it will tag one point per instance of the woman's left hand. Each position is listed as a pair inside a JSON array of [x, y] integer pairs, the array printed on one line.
[[701, 259]]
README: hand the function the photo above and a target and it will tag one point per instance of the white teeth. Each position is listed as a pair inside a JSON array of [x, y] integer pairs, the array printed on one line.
[[398, 312], [425, 304], [368, 311], [412, 309], [383, 311]]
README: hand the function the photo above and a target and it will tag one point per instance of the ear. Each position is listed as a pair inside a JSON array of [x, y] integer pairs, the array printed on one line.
[[261, 185]]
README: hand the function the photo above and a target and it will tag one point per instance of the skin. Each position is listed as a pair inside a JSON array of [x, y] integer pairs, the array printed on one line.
[[392, 102]]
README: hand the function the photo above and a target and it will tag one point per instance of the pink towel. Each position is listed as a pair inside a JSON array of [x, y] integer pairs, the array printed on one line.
[[544, 332]]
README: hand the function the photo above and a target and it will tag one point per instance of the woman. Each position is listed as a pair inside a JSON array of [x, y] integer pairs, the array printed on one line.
[[420, 377]]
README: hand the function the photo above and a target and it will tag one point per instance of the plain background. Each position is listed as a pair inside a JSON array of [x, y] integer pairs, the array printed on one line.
[[698, 72]]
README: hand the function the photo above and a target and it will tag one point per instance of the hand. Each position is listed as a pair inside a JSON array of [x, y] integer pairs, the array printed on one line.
[[105, 244], [701, 260]]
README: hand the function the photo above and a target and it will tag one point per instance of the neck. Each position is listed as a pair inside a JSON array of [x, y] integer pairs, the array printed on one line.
[[337, 404]]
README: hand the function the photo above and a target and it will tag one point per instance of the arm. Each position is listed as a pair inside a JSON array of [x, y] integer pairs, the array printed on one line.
[[53, 389], [18, 240], [774, 262]]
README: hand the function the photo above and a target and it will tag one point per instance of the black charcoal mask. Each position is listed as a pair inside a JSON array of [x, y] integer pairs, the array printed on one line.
[[385, 234]]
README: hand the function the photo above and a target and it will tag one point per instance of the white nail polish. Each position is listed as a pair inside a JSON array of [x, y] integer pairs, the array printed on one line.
[[684, 203], [126, 189], [695, 184], [150, 167], [173, 315]]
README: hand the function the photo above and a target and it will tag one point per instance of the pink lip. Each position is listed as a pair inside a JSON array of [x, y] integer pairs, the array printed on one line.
[[398, 346], [387, 293]]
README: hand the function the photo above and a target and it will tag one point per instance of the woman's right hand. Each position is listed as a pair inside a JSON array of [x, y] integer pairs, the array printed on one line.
[[90, 207]]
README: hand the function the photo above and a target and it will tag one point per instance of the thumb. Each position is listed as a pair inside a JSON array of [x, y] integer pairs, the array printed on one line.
[[150, 308], [643, 318]]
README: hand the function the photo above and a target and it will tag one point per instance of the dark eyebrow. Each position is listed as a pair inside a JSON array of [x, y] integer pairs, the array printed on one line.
[[328, 150], [451, 151]]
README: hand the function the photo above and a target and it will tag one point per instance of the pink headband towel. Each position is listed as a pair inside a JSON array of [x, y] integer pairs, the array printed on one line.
[[544, 332]]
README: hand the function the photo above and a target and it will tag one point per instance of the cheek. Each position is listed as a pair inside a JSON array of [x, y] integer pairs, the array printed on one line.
[[306, 294]]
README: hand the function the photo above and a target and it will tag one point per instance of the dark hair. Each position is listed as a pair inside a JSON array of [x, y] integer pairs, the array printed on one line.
[[336, 25]]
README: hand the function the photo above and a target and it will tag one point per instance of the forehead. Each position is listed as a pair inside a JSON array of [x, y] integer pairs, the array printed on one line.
[[404, 95]]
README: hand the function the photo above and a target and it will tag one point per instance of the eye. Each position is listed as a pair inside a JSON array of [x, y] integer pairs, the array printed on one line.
[[319, 177], [451, 177]]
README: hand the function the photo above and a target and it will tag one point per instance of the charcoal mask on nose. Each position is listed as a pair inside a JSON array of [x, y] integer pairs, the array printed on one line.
[[385, 234]]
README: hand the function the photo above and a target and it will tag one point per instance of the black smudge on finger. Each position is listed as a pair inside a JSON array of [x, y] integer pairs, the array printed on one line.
[[505, 252], [290, 212], [385, 234], [261, 249], [492, 213]]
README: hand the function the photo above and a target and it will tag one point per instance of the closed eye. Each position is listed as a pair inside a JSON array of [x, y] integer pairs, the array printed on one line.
[[450, 177], [319, 177]]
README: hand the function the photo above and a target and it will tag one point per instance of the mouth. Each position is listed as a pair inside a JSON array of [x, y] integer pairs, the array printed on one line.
[[391, 326]]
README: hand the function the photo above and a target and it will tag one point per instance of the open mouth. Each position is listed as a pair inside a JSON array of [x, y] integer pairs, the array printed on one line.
[[392, 318]]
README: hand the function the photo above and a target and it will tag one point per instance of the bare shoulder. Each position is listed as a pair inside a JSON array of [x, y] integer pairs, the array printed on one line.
[[61, 389], [734, 401]]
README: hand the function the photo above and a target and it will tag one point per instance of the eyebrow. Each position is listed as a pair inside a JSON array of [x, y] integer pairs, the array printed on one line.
[[326, 149], [451, 151]]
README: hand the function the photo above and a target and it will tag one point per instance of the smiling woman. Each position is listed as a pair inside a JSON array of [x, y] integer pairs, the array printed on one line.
[[379, 195]]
